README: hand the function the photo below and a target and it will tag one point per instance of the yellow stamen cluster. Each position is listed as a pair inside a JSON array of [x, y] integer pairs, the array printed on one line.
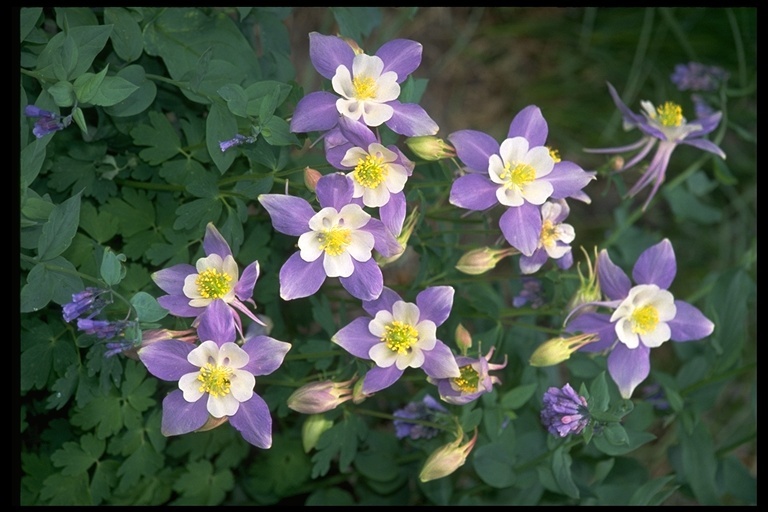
[[215, 380], [555, 154], [644, 319], [670, 114], [548, 233], [334, 241], [469, 379], [213, 284], [365, 87], [400, 337], [517, 176], [370, 171]]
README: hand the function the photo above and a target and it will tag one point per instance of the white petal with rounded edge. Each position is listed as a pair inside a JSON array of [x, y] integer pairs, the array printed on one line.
[[349, 108], [324, 219], [565, 233], [541, 160], [338, 266], [382, 356], [406, 312], [387, 88], [379, 323], [414, 359], [190, 287], [232, 356], [241, 385], [514, 150], [361, 245], [427, 334], [537, 191], [190, 387], [353, 217], [342, 82], [376, 197], [495, 169], [510, 196], [396, 178], [220, 406], [659, 335], [625, 334], [353, 156], [367, 66], [376, 114], [555, 251], [206, 352], [210, 261], [309, 245]]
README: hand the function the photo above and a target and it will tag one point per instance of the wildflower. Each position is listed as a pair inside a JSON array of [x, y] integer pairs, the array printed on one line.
[[427, 410], [401, 335], [643, 316], [557, 350], [409, 224], [554, 239], [366, 88], [564, 412], [191, 290], [430, 148], [520, 174], [447, 459], [47, 122], [103, 329], [695, 76], [475, 379], [589, 286], [317, 397], [480, 261], [666, 126], [86, 303], [531, 292], [216, 379], [238, 140], [337, 241]]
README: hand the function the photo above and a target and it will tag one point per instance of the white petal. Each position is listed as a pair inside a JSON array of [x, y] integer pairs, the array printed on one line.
[[514, 150], [190, 387], [190, 287], [387, 88], [376, 197], [537, 191], [387, 155], [231, 355], [309, 246], [361, 245], [427, 334], [406, 312], [367, 66], [353, 217], [414, 359], [550, 211], [625, 334], [565, 233], [241, 385], [510, 196], [353, 156], [495, 168], [324, 219], [378, 325], [382, 356], [211, 261], [220, 406], [338, 266], [342, 82], [376, 114], [659, 335], [351, 109], [207, 352], [555, 251], [541, 160], [396, 178]]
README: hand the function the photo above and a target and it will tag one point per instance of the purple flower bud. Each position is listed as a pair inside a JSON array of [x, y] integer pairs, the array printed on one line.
[[317, 397], [89, 301], [564, 412], [47, 122], [428, 409], [103, 329], [237, 140]]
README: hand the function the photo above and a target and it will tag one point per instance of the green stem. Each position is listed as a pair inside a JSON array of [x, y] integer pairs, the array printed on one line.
[[150, 186]]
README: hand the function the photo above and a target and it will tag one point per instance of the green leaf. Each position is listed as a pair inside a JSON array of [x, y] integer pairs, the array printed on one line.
[[87, 84], [650, 492], [60, 228], [634, 438], [236, 99], [519, 396], [147, 308], [133, 210], [197, 213], [267, 90], [140, 99], [356, 22], [112, 267], [32, 158], [89, 41], [220, 125], [599, 398], [100, 225], [65, 490], [561, 470], [113, 90], [103, 412], [699, 463], [28, 17], [341, 441], [65, 58], [143, 461], [494, 464], [63, 93], [126, 35], [63, 388], [200, 485], [160, 136], [104, 479], [55, 280], [277, 132], [78, 457]]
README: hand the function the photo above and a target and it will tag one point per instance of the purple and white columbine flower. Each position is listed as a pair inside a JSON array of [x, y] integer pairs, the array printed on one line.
[[666, 126], [401, 335], [520, 174], [193, 289], [475, 379], [337, 241], [216, 379], [554, 239], [366, 87], [565, 412], [644, 316]]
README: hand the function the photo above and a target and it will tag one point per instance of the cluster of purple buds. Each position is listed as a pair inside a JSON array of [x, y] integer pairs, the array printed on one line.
[[47, 122]]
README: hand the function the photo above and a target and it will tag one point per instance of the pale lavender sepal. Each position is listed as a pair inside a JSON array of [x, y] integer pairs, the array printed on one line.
[[707, 123], [167, 359], [214, 242], [596, 323], [357, 133], [473, 192], [566, 260], [705, 145], [656, 265], [215, 323], [393, 213], [629, 116], [290, 214], [530, 124], [328, 53], [299, 278], [356, 338], [439, 363], [334, 190], [180, 416], [689, 323], [435, 303], [171, 279], [253, 421], [366, 280], [629, 367], [178, 305], [265, 354], [530, 264], [384, 302], [247, 281], [614, 282], [380, 378], [568, 179], [474, 148], [402, 56], [411, 120], [521, 226], [383, 239], [315, 112]]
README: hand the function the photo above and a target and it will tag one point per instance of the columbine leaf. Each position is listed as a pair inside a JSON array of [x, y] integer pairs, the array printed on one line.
[[78, 457], [127, 40], [60, 228], [160, 136], [200, 485]]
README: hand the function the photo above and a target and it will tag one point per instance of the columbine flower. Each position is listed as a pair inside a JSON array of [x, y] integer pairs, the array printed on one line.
[[564, 412], [317, 397], [366, 87], [337, 241], [644, 316], [474, 380], [47, 122], [215, 277], [427, 409], [554, 239], [666, 126], [448, 458], [216, 379], [401, 335], [695, 76], [520, 174], [86, 303]]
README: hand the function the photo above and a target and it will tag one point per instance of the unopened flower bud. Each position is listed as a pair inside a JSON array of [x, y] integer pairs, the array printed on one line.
[[312, 429], [447, 459], [557, 350], [402, 238], [317, 397], [358, 396], [589, 287], [463, 339], [429, 147], [311, 176], [479, 261]]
